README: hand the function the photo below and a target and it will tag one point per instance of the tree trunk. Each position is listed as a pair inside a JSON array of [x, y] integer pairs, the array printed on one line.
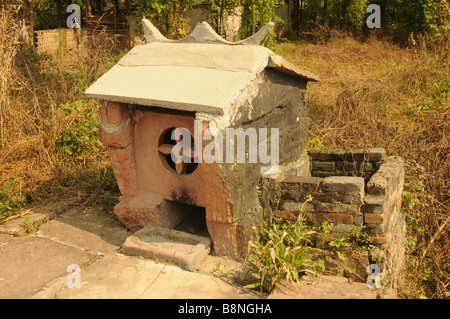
[[127, 7], [300, 17], [98, 4], [60, 16], [29, 20], [88, 8], [295, 16]]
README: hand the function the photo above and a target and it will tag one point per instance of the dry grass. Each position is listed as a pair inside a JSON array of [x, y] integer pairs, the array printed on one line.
[[374, 93], [371, 94], [43, 116]]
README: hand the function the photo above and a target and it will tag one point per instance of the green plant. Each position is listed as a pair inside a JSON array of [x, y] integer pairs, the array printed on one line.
[[415, 222], [426, 274], [353, 238], [220, 9], [27, 224], [255, 14], [326, 227], [11, 198], [410, 244], [219, 270], [81, 135], [283, 30], [37, 57], [101, 185], [279, 251], [323, 232], [111, 60], [339, 243], [167, 16], [315, 142], [318, 266]]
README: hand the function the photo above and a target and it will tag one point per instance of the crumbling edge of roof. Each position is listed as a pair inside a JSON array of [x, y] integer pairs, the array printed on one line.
[[278, 63], [188, 107]]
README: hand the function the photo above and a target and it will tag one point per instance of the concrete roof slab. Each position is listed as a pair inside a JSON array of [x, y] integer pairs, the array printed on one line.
[[200, 73], [176, 87]]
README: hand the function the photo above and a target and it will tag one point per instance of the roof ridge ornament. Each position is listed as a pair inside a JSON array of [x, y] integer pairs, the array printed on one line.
[[203, 32], [260, 37], [152, 34]]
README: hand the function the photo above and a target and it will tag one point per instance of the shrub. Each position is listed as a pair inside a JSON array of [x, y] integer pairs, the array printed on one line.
[[11, 198], [81, 136], [279, 251]]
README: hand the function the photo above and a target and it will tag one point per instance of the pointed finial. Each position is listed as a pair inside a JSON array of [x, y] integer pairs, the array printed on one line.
[[204, 32], [151, 32], [259, 37]]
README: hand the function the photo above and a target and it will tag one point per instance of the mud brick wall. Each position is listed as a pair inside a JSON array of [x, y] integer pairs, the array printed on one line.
[[348, 202], [337, 162], [65, 45]]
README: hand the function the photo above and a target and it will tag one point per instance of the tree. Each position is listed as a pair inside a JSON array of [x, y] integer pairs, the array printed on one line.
[[256, 14], [166, 15], [220, 9]]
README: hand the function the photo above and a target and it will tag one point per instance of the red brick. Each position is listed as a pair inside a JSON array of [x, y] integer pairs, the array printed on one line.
[[122, 160], [285, 215], [391, 249], [399, 203], [338, 218], [118, 139], [374, 218], [338, 208], [379, 218], [224, 239], [399, 231], [380, 240], [114, 113], [308, 217], [393, 198]]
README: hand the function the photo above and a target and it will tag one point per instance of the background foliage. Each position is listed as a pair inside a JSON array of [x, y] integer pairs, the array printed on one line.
[[393, 81]]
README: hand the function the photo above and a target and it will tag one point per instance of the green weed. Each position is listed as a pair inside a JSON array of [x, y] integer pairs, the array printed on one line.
[[81, 136], [315, 143], [27, 224], [11, 198], [279, 251]]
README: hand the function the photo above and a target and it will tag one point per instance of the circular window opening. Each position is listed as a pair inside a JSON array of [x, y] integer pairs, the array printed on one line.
[[166, 144]]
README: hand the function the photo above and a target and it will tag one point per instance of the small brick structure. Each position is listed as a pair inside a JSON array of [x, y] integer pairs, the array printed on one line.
[[372, 199], [338, 162], [167, 84]]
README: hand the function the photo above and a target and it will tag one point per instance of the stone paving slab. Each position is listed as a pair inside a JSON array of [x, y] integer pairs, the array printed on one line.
[[28, 263], [4, 238], [35, 266], [17, 227], [322, 287], [127, 277], [88, 229]]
